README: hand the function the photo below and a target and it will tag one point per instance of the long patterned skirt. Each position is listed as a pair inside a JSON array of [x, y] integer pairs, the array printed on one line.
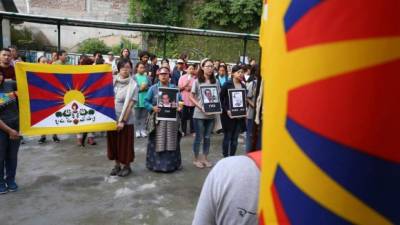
[[163, 148]]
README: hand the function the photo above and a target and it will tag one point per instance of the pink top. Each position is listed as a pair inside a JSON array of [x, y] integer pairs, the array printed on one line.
[[185, 83]]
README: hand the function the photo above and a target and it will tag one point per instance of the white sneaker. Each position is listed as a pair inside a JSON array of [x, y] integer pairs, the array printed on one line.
[[143, 133], [138, 134]]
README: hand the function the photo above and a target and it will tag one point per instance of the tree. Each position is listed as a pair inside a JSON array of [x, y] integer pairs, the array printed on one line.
[[164, 12], [241, 15], [92, 45]]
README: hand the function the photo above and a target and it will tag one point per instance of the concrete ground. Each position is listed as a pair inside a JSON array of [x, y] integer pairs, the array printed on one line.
[[65, 184]]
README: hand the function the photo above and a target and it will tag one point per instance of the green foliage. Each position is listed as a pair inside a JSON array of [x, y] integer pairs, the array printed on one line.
[[24, 39], [240, 15], [125, 43], [164, 12], [231, 15], [92, 45]]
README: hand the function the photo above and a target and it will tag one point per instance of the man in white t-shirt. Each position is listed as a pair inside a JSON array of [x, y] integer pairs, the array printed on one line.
[[230, 193]]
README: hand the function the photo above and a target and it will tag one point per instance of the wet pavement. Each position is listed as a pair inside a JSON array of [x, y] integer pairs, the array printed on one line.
[[61, 183]]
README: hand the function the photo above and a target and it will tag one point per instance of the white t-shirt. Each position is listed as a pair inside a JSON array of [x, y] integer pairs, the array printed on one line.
[[230, 194]]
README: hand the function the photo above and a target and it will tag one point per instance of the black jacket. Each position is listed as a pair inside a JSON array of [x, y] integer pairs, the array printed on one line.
[[227, 123]]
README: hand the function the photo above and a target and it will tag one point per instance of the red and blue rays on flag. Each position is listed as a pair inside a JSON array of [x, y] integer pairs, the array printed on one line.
[[310, 22], [346, 124], [47, 91]]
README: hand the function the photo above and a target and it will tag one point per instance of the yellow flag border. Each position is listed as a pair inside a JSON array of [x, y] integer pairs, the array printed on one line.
[[21, 69]]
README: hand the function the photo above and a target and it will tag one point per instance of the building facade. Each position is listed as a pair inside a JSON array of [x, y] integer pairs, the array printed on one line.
[[103, 10]]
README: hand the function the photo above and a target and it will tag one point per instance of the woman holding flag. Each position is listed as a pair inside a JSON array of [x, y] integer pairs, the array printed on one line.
[[120, 142]]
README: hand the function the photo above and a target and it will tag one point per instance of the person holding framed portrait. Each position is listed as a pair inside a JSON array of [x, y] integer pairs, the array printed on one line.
[[232, 97], [202, 93], [168, 103], [163, 148]]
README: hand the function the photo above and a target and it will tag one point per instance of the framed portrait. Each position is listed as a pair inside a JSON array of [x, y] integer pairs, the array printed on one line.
[[237, 102], [210, 99], [168, 102]]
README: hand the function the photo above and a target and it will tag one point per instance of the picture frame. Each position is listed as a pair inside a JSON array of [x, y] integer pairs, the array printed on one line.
[[168, 103], [237, 102], [210, 99]]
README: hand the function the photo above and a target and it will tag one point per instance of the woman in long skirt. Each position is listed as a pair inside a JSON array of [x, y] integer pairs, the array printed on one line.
[[163, 149], [120, 142]]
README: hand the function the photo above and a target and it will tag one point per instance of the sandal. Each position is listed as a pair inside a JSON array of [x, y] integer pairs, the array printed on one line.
[[115, 171], [125, 171], [207, 164], [198, 164]]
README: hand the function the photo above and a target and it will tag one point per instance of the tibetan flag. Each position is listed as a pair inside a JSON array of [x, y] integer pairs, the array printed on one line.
[[56, 99], [331, 149]]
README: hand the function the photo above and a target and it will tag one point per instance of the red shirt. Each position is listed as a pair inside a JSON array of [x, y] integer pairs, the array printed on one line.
[[8, 72]]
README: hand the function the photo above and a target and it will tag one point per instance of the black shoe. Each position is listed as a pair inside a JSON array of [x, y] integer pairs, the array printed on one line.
[[125, 171], [55, 139], [42, 140], [115, 171]]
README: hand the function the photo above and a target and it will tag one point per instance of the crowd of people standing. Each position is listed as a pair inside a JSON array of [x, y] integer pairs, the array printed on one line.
[[136, 89]]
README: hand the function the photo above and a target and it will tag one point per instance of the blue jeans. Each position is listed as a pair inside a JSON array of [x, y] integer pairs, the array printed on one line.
[[249, 137], [8, 155], [230, 142], [203, 128]]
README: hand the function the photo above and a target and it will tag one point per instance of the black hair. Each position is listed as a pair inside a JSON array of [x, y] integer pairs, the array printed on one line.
[[122, 62], [236, 68], [41, 58], [153, 56], [143, 53], [164, 67], [246, 67], [223, 66], [122, 50], [139, 63], [183, 55], [99, 61], [85, 60], [59, 53], [201, 76], [6, 49], [165, 60]]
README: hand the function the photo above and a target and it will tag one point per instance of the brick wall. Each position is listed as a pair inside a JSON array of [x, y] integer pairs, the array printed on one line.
[[76, 5], [108, 10]]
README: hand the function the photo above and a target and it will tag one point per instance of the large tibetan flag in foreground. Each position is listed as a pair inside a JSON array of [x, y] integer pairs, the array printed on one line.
[[332, 112], [56, 99]]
